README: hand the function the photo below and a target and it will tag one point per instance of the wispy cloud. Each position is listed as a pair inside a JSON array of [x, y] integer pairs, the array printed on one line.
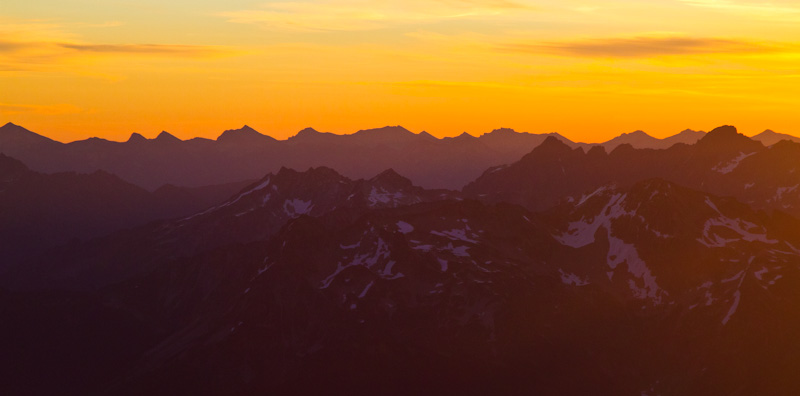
[[350, 15], [775, 8], [647, 47], [10, 108], [30, 44], [149, 49]]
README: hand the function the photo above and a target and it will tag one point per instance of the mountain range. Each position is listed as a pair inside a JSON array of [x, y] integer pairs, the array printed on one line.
[[615, 269], [247, 154]]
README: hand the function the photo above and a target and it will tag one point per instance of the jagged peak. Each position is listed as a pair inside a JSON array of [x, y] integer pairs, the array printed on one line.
[[501, 131], [727, 135], [725, 130], [244, 132], [638, 132]]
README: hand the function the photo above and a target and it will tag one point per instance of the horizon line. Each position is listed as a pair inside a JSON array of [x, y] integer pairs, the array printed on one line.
[[245, 126]]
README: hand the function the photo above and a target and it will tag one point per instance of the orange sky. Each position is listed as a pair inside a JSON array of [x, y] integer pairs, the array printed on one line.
[[589, 69]]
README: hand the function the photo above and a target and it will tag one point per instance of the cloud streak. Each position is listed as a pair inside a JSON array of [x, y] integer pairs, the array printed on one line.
[[641, 47], [148, 49], [778, 8], [10, 108], [354, 15]]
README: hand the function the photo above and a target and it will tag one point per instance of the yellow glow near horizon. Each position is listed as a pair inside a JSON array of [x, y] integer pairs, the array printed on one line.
[[589, 69]]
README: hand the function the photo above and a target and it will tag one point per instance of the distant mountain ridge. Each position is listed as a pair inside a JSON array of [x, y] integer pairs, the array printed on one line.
[[245, 153], [723, 163], [39, 211]]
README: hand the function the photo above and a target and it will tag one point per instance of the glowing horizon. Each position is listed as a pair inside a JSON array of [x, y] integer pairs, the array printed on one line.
[[589, 70]]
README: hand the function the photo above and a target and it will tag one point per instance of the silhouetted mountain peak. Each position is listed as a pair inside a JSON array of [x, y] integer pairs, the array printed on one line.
[[307, 134], [465, 135], [11, 132], [136, 138], [623, 148], [637, 133], [770, 137], [388, 129], [727, 137], [596, 151], [244, 134], [552, 144], [392, 178], [725, 130], [427, 135], [165, 136], [501, 131]]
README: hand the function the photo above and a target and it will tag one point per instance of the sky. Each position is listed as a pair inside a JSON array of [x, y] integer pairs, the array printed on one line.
[[588, 69]]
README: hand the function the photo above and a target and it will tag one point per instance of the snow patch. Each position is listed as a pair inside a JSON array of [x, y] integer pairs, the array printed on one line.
[[404, 227], [366, 289], [620, 252], [581, 233], [297, 207], [572, 279], [783, 190], [455, 234], [747, 231], [732, 164]]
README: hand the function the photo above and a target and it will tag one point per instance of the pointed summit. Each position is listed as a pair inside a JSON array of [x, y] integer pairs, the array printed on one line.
[[427, 136], [12, 135], [637, 139], [552, 144], [391, 178], [244, 135], [307, 134], [770, 137], [165, 136], [136, 138]]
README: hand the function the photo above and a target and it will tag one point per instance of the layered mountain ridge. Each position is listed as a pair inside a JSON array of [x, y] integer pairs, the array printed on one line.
[[247, 154]]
